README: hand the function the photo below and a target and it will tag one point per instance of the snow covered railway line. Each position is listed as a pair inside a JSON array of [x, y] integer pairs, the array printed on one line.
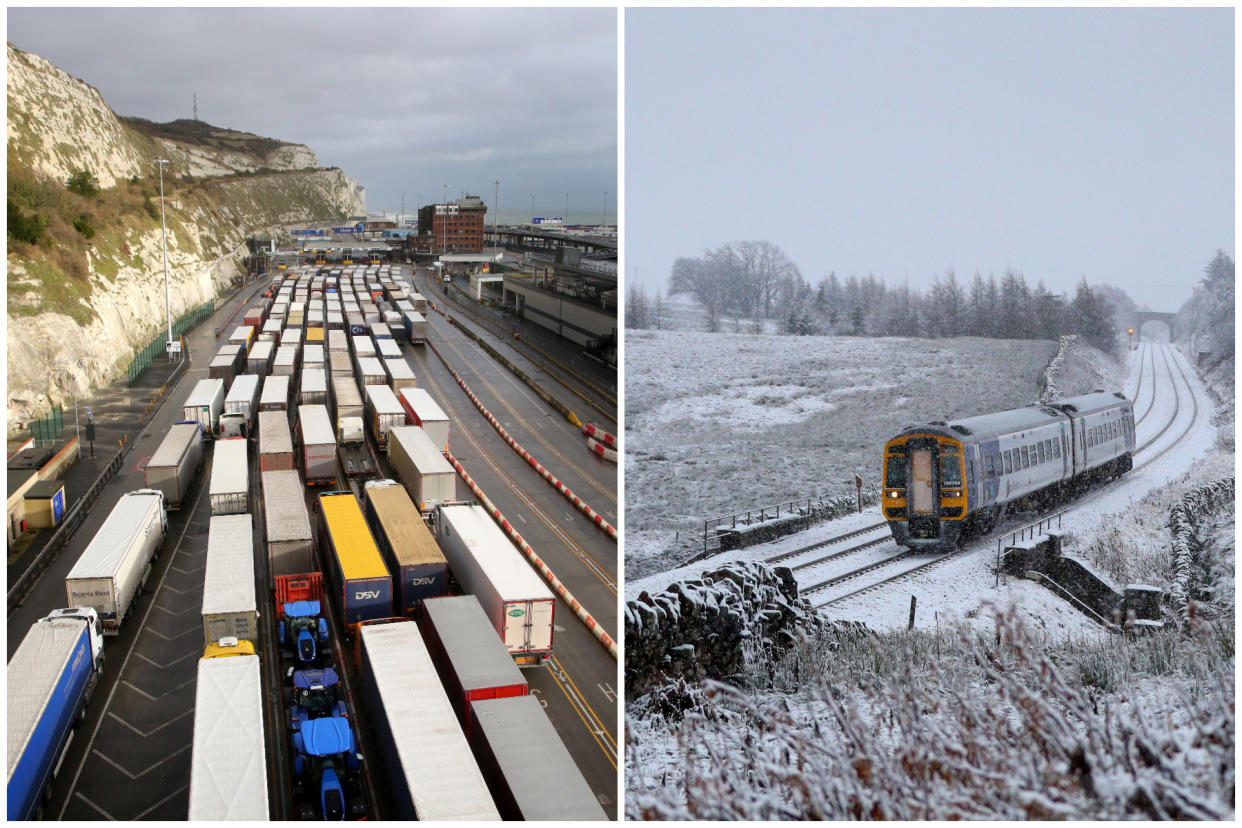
[[880, 528], [1194, 415]]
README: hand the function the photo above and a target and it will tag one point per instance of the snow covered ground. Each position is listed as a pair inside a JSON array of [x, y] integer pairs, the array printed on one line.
[[793, 752]]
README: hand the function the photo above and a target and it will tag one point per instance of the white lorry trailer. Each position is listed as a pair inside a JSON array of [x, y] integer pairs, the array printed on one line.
[[228, 761], [229, 604], [430, 771], [422, 410], [317, 445], [486, 565], [240, 407], [175, 464], [421, 467], [290, 541], [117, 561], [205, 405], [229, 493]]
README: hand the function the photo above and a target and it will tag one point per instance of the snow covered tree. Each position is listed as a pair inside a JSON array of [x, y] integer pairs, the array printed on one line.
[[1091, 319], [636, 311], [1218, 286]]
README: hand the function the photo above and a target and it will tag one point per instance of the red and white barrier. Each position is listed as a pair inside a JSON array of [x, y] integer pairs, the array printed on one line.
[[598, 448], [596, 518], [558, 587], [592, 430]]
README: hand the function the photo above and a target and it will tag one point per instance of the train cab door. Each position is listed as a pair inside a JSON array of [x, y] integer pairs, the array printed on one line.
[[922, 489]]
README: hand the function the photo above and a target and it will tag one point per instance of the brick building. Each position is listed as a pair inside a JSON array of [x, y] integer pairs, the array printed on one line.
[[457, 226]]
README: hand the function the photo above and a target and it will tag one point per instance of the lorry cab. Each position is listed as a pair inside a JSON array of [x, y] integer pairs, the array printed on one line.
[[229, 646], [233, 425], [94, 626]]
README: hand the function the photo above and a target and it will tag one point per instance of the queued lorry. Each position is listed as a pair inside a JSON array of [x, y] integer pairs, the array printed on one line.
[[426, 761], [423, 411], [317, 445], [275, 442], [383, 412], [290, 540], [175, 464], [517, 602], [111, 571], [418, 567], [351, 444], [229, 606], [473, 663], [529, 771], [50, 680], [421, 467], [228, 765], [360, 581], [205, 405], [229, 492], [240, 406], [275, 396]]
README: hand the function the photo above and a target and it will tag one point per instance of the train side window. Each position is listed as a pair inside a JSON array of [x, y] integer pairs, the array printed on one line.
[[1008, 463], [1056, 449], [987, 467], [1048, 445], [1024, 457], [1043, 452]]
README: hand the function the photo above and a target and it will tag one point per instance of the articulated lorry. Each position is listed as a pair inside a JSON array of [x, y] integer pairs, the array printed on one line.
[[175, 464], [50, 680], [116, 563]]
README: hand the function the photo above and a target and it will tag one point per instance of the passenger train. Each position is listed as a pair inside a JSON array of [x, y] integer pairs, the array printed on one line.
[[946, 481]]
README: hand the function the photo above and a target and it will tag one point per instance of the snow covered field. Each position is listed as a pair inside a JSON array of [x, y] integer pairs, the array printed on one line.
[[720, 423], [884, 729]]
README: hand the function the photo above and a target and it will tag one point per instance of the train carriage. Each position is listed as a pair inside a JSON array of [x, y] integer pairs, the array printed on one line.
[[945, 480]]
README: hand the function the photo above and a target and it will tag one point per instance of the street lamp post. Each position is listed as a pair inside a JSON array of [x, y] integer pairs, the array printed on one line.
[[444, 223], [164, 243], [604, 219]]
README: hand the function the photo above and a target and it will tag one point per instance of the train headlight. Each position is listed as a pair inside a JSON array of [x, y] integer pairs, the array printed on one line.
[[893, 493], [950, 494]]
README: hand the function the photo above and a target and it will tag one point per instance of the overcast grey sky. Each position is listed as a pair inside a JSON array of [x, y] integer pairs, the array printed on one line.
[[400, 99], [1060, 142]]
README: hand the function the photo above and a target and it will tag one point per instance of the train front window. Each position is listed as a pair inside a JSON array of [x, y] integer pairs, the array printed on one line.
[[895, 472], [950, 472]]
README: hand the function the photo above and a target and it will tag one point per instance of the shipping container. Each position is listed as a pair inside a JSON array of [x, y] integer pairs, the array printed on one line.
[[260, 359], [416, 563], [421, 467], [115, 564], [174, 466], [400, 374], [290, 541], [317, 445], [361, 584], [528, 769], [229, 607], [275, 396], [50, 679], [489, 567], [228, 760], [430, 771], [383, 413], [240, 407], [314, 387], [473, 663], [230, 477], [423, 411]]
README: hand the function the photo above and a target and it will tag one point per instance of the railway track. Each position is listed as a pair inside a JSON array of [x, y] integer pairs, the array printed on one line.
[[784, 556]]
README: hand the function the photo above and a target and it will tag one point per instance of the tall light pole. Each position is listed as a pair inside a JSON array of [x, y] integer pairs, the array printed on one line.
[[164, 229], [496, 206], [532, 209]]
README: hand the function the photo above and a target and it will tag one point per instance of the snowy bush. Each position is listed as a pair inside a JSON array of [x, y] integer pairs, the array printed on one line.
[[1200, 571], [957, 725]]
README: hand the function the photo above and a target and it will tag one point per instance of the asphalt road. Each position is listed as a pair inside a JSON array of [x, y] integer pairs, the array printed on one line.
[[130, 759]]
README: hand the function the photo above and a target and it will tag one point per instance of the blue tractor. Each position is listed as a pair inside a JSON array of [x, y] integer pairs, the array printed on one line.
[[325, 767], [304, 630], [314, 695]]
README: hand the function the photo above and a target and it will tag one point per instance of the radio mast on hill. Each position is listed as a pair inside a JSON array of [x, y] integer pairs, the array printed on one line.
[[196, 106]]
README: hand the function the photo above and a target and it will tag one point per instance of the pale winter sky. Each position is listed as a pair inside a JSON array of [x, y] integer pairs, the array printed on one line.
[[1060, 142], [401, 99]]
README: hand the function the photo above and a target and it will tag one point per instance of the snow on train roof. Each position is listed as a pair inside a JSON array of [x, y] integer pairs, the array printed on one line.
[[984, 426], [1091, 403]]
